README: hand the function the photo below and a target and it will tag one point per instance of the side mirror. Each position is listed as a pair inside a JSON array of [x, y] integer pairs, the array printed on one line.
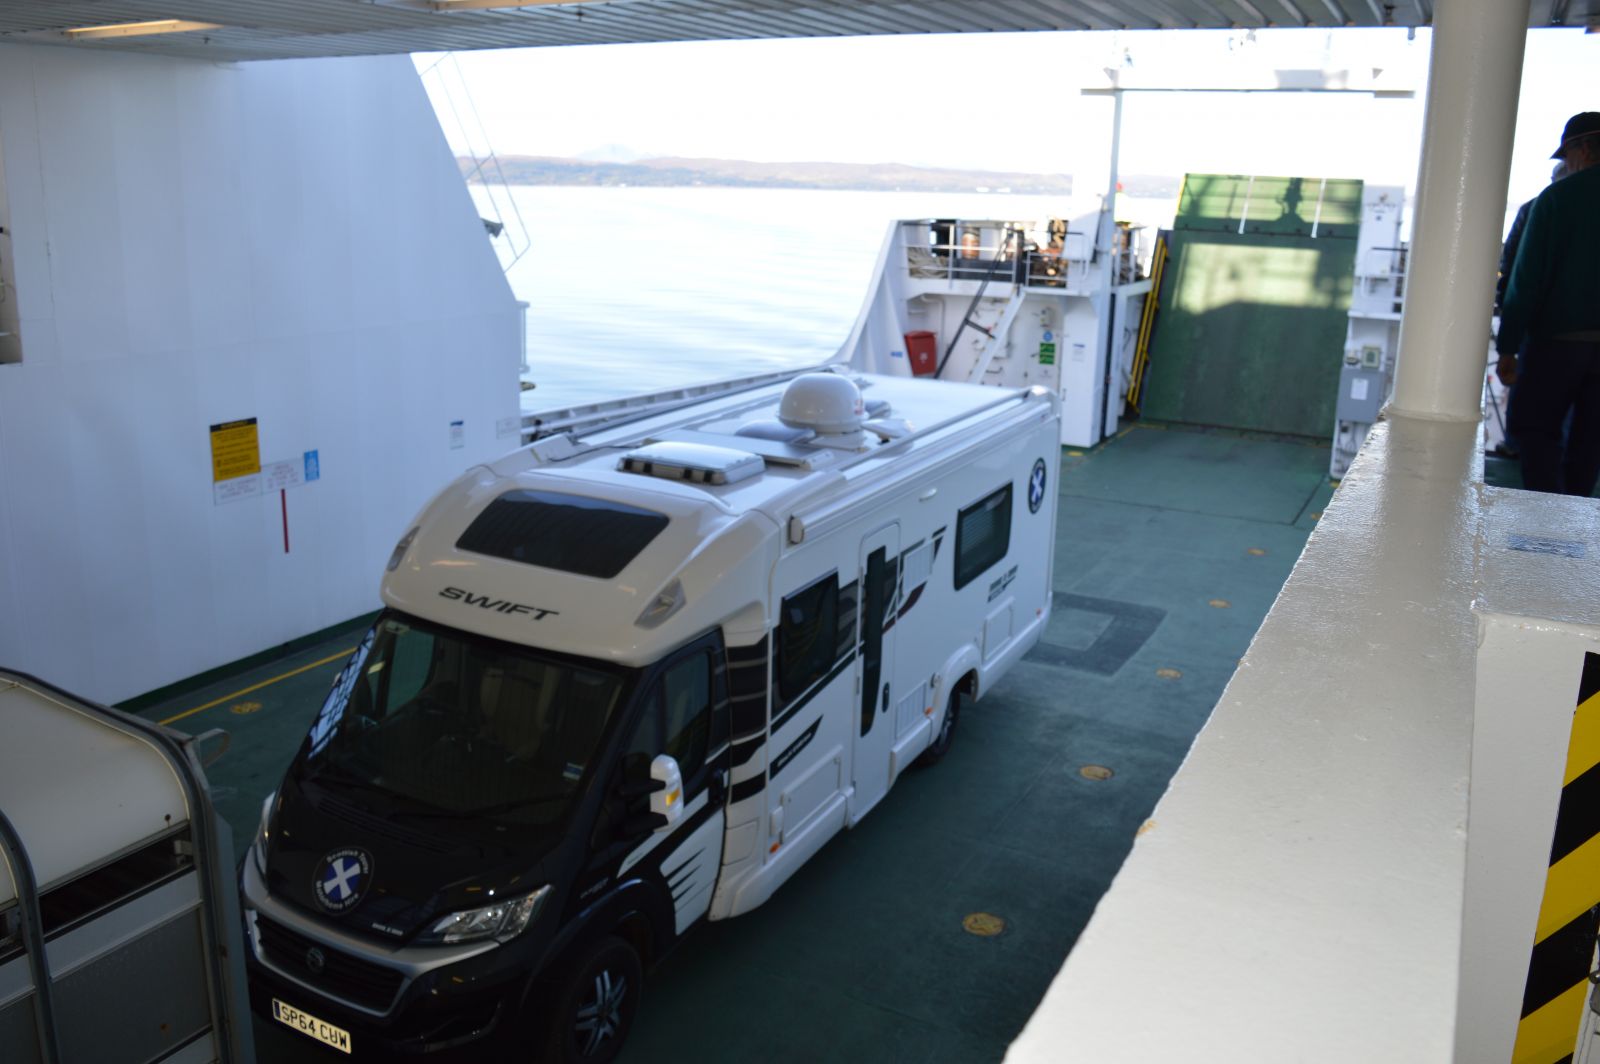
[[666, 801]]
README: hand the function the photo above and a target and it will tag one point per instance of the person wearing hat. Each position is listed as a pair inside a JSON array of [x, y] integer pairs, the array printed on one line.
[[1551, 312]]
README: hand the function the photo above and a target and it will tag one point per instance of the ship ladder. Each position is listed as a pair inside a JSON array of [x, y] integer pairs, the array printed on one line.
[[998, 335], [1013, 236], [1147, 324]]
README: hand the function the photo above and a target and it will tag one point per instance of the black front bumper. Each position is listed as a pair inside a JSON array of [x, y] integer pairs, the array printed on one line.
[[388, 1010], [431, 1025]]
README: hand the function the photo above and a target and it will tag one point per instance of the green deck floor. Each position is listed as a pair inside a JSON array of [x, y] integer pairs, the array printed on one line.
[[1171, 547]]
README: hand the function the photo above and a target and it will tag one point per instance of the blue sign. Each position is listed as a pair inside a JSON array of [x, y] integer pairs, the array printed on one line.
[[1048, 336], [341, 879], [313, 467], [1036, 487]]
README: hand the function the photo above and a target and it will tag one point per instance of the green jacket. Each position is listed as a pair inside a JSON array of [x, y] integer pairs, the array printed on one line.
[[1555, 282]]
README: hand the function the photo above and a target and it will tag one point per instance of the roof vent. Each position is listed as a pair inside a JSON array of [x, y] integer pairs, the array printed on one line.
[[697, 463], [826, 402]]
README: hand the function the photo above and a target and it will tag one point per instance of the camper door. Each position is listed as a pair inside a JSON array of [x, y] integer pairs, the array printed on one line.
[[873, 730]]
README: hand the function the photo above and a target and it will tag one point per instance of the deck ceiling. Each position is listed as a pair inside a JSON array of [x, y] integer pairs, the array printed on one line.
[[289, 29]]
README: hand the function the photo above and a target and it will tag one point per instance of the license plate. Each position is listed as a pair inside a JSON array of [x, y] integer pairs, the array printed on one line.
[[307, 1024]]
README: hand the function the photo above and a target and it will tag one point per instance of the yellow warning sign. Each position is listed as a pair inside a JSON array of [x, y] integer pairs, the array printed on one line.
[[235, 450]]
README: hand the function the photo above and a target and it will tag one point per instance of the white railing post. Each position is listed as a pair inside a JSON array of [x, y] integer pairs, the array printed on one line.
[[1461, 199]]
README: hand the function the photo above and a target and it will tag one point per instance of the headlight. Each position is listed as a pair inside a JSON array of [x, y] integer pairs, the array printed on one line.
[[502, 920], [258, 846]]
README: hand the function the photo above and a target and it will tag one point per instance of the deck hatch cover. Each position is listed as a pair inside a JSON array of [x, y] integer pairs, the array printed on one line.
[[569, 533]]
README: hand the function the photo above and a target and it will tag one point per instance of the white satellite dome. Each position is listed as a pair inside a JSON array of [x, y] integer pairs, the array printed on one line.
[[825, 402]]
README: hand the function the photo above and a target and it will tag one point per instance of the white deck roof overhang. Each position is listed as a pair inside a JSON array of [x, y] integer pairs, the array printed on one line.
[[297, 29]]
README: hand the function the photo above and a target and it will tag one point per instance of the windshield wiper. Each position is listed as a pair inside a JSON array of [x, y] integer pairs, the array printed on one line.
[[339, 780], [482, 810]]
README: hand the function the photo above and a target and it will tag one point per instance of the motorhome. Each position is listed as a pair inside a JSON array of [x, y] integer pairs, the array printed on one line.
[[632, 677]]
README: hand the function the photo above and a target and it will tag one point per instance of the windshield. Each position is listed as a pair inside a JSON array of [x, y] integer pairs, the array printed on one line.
[[460, 727]]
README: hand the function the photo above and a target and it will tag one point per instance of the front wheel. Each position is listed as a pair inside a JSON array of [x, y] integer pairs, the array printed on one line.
[[596, 1004], [947, 731]]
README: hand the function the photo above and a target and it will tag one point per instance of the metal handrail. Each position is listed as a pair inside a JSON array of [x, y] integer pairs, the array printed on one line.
[[16, 856]]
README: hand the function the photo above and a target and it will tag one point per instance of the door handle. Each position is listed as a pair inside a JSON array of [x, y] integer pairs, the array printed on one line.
[[885, 698]]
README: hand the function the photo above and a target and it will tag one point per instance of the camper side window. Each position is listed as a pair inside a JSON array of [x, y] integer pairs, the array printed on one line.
[[687, 693], [676, 721], [983, 535], [807, 636]]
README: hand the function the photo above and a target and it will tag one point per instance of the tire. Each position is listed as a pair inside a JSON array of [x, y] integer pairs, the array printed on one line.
[[596, 1004], [947, 731]]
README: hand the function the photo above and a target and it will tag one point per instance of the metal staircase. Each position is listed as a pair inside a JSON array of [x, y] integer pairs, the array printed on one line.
[[996, 334], [999, 334]]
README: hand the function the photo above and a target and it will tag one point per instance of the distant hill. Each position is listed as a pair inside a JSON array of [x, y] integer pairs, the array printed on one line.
[[735, 173], [1152, 186]]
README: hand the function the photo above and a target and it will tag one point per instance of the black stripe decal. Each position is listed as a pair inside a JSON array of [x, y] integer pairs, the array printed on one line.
[[938, 540], [742, 671], [747, 789], [749, 715], [1589, 686], [792, 751], [744, 751], [911, 600], [750, 652], [684, 865], [1560, 962], [817, 688], [1578, 819]]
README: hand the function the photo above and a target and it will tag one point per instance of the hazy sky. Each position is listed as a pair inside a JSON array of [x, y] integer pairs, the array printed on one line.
[[1005, 102]]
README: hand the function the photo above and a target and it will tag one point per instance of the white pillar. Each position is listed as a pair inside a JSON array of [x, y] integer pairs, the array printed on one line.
[[1116, 151], [1471, 115]]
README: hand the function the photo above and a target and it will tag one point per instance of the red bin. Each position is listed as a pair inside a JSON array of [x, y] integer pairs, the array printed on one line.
[[923, 353]]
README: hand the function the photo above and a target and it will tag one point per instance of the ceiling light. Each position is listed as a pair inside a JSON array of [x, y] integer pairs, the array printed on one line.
[[139, 29]]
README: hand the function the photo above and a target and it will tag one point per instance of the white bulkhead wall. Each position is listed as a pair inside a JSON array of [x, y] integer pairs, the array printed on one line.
[[197, 243]]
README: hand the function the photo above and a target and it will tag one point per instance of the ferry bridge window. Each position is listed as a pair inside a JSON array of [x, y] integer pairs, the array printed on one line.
[[807, 636], [983, 535]]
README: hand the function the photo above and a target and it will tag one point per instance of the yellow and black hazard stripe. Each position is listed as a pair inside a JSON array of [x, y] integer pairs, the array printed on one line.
[[1569, 917]]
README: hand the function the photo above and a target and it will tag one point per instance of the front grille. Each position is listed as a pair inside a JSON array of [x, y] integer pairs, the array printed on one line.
[[343, 976]]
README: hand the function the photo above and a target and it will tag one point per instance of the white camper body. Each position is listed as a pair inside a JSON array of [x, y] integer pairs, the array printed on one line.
[[806, 762], [645, 671]]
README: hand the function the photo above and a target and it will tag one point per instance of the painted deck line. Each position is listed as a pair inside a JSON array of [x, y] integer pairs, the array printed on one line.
[[335, 656]]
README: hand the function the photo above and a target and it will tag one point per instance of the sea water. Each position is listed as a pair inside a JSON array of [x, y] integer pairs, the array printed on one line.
[[631, 290]]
